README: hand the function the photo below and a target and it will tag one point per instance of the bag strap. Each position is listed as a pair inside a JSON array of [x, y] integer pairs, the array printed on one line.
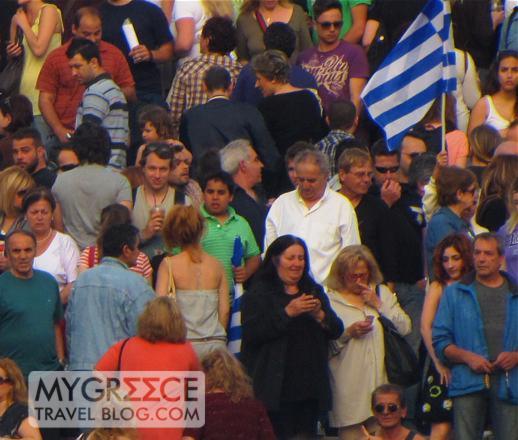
[[172, 288], [261, 21], [119, 361]]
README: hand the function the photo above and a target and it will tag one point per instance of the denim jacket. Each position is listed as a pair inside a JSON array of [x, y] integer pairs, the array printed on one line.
[[103, 308], [459, 321]]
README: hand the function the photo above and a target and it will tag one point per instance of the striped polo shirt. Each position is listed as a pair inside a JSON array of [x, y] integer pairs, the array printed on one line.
[[104, 103]]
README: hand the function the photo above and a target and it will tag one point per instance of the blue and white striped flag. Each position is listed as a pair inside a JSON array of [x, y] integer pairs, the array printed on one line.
[[234, 330], [417, 71]]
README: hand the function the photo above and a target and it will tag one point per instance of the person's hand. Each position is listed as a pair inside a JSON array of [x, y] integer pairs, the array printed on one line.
[[390, 192], [479, 364], [140, 54], [442, 159], [154, 224], [359, 329], [239, 274], [21, 20], [497, 17], [63, 134], [14, 50], [506, 360], [317, 312], [302, 304], [369, 296], [444, 373]]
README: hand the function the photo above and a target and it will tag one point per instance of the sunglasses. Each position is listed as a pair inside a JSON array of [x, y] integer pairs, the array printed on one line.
[[390, 407], [68, 167], [385, 170], [329, 24], [5, 380]]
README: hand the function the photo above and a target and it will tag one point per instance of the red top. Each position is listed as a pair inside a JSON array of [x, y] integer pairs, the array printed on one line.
[[56, 77], [224, 419], [139, 354]]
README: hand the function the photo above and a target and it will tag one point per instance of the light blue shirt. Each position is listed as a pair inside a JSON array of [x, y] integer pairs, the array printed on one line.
[[103, 309]]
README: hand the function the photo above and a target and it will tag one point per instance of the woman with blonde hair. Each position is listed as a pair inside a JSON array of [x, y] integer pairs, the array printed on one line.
[[257, 15], [230, 406], [14, 184], [357, 366], [509, 231], [160, 345], [190, 16], [14, 414], [196, 279], [498, 177]]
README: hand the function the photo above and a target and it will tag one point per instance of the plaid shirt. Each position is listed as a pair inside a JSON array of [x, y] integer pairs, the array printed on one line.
[[187, 89], [328, 145]]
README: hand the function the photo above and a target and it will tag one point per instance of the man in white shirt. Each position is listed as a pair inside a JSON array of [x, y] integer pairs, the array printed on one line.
[[324, 219]]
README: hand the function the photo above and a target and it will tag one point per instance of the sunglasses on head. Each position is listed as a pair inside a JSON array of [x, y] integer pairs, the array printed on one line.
[[390, 407], [385, 170], [328, 24], [5, 380]]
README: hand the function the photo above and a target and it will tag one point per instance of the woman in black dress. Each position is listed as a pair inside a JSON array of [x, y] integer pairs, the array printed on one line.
[[287, 322]]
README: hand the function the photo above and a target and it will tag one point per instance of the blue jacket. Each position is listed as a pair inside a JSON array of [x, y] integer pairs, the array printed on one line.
[[459, 321], [104, 306]]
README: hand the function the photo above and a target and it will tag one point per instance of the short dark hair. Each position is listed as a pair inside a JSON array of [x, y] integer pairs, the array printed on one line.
[[19, 107], [450, 180], [380, 148], [280, 36], [322, 6], [162, 149], [86, 48], [91, 143], [389, 389], [488, 236], [219, 176], [295, 149], [18, 232], [421, 168], [341, 114], [28, 133], [84, 12], [116, 237], [36, 195], [217, 78], [221, 34]]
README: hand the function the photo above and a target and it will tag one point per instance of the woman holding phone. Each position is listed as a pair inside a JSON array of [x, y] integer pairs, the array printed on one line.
[[357, 364]]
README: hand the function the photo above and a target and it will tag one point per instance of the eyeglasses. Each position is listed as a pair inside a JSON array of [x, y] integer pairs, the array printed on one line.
[[329, 24], [68, 167], [5, 380], [390, 407], [386, 170]]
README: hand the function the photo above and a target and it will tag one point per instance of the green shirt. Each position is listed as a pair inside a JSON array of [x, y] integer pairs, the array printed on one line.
[[347, 17], [218, 239], [29, 308]]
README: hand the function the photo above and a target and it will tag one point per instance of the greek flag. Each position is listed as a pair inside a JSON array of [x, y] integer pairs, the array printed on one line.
[[234, 330], [417, 71]]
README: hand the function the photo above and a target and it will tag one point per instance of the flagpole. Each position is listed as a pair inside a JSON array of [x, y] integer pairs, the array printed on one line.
[[443, 122]]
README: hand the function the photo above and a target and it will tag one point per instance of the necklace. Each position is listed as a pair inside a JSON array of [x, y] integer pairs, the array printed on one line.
[[46, 238]]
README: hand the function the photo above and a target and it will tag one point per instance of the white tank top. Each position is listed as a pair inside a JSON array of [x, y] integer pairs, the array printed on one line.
[[495, 119]]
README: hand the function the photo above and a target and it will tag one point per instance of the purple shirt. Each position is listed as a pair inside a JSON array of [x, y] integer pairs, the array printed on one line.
[[510, 250], [334, 69]]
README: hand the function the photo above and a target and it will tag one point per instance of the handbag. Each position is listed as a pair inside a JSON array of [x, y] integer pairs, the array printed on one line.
[[401, 362], [11, 76]]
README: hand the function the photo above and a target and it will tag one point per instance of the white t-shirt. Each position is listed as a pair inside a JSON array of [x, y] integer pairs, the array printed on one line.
[[60, 259], [190, 9]]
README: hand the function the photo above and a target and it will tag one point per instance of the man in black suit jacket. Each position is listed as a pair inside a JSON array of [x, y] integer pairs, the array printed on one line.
[[219, 121]]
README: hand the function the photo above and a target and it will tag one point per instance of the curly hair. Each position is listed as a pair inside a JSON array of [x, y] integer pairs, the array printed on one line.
[[183, 226], [492, 84], [462, 244], [224, 372], [15, 376], [91, 143], [273, 65], [221, 35]]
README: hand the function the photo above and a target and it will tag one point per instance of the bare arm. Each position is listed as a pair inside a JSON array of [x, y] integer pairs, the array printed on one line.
[[251, 266], [127, 203], [58, 218], [223, 298], [359, 16], [478, 115], [28, 431], [65, 292], [162, 279], [474, 361], [60, 342], [167, 9], [371, 28], [39, 43], [129, 93], [356, 86], [184, 36], [46, 102]]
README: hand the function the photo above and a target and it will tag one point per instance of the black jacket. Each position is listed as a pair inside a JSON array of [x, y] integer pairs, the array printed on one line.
[[266, 333]]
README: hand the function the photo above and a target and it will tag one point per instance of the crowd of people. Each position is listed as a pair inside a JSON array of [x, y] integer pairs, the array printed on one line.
[[159, 158]]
